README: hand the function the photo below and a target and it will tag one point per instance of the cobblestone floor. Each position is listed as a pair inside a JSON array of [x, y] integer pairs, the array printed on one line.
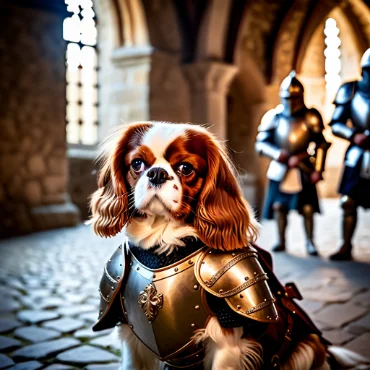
[[49, 297]]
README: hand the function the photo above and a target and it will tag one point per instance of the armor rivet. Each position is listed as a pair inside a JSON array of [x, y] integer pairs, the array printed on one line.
[[190, 262], [210, 252], [101, 312], [130, 263], [137, 268], [120, 264], [238, 306], [125, 313], [107, 296], [176, 269], [265, 299], [286, 294], [241, 296], [196, 307], [221, 290], [196, 355], [192, 325], [131, 326], [233, 254], [294, 312], [154, 275], [118, 277], [123, 298], [196, 287], [255, 273], [203, 263], [112, 287], [279, 293], [110, 260], [246, 278]]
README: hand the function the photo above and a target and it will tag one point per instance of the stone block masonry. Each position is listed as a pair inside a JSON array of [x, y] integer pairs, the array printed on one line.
[[33, 162]]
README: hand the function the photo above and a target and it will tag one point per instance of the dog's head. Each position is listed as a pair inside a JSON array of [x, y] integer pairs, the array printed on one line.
[[178, 171]]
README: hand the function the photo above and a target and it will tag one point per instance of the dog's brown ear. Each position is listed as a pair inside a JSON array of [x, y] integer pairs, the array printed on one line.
[[110, 203], [223, 219]]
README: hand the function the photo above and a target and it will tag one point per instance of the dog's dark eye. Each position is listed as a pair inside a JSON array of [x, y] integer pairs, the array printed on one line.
[[138, 165], [185, 169]]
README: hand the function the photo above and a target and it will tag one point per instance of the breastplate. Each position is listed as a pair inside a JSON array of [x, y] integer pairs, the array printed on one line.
[[292, 134], [360, 111], [164, 307]]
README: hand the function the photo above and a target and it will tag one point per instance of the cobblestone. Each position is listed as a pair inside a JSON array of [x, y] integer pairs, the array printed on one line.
[[8, 325], [5, 361], [36, 316], [36, 334], [360, 326], [360, 345], [7, 344], [64, 325], [58, 272], [338, 336], [338, 315], [86, 355], [45, 349], [29, 365]]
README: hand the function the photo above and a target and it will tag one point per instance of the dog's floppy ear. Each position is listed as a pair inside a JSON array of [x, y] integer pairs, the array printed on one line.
[[223, 219], [110, 203]]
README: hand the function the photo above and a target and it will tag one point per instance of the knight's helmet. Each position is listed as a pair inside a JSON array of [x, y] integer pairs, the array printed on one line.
[[291, 94], [365, 60]]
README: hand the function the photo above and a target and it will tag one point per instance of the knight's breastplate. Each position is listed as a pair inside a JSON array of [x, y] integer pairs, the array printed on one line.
[[164, 307], [360, 111], [292, 134]]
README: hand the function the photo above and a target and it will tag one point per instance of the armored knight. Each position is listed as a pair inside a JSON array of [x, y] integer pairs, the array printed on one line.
[[165, 299], [285, 136], [353, 102]]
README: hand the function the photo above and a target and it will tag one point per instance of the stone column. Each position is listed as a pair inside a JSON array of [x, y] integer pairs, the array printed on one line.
[[124, 92], [33, 161], [209, 83]]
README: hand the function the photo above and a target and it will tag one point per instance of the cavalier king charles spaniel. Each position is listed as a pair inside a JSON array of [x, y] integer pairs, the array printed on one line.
[[161, 184]]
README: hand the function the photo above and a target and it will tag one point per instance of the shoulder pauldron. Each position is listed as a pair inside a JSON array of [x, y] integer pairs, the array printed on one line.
[[345, 93], [238, 277], [110, 311]]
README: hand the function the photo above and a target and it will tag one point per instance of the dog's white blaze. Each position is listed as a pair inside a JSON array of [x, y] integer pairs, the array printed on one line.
[[161, 135]]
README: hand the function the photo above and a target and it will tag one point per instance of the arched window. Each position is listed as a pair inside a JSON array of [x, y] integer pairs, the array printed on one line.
[[332, 58], [80, 31]]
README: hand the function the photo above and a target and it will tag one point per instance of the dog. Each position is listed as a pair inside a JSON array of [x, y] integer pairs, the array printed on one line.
[[172, 190]]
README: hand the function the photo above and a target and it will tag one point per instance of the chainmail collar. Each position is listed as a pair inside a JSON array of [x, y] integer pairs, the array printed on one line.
[[152, 260]]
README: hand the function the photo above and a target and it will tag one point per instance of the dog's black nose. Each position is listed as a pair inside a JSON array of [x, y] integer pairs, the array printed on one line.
[[157, 176]]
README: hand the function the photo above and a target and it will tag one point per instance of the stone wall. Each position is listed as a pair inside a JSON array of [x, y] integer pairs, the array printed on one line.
[[33, 164], [82, 178]]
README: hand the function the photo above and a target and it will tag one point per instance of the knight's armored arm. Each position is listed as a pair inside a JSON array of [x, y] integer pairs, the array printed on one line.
[[342, 112], [338, 123], [316, 125], [265, 139]]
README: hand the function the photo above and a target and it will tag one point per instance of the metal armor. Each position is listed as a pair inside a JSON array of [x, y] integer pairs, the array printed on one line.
[[163, 307], [351, 103], [294, 134]]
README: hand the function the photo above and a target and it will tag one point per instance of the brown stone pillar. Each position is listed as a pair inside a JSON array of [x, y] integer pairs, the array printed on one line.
[[209, 83], [33, 161]]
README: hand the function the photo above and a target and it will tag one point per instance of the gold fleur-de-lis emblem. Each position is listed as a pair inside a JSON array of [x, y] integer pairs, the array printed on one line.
[[150, 302]]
